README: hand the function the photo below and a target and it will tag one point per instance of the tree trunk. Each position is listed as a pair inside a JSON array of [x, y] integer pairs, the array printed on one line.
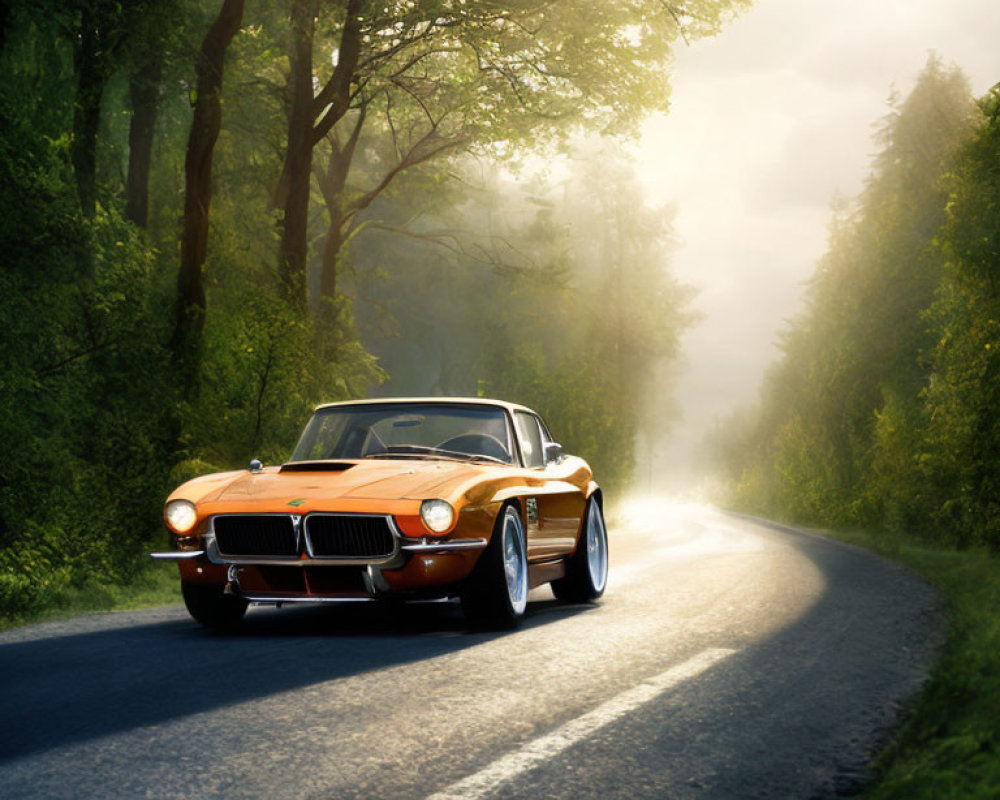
[[205, 125], [330, 105], [331, 254], [298, 158], [5, 6], [144, 90], [331, 184], [90, 62], [343, 212]]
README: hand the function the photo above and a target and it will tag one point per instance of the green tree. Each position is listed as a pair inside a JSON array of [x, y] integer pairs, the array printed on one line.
[[962, 455], [427, 79], [82, 394], [205, 126], [833, 441]]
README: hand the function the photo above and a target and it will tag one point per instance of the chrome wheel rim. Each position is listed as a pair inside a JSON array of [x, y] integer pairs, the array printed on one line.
[[597, 548], [515, 562]]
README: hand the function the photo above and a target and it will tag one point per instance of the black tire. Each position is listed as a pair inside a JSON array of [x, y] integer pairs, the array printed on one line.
[[587, 568], [490, 599], [212, 607]]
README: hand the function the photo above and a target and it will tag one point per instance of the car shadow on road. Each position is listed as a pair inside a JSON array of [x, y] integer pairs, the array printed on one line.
[[70, 688]]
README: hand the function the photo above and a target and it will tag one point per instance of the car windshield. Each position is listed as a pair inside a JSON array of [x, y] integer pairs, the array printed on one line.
[[407, 430]]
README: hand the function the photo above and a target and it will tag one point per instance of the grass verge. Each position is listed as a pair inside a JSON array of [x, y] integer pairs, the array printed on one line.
[[156, 586], [950, 746]]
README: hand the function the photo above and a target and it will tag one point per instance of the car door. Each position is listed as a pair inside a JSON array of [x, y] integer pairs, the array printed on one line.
[[554, 510]]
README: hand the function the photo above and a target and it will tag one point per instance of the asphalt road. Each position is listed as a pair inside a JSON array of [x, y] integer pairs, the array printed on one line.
[[728, 659]]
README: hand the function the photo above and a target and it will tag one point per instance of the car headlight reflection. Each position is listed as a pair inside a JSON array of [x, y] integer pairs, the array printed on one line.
[[180, 515], [437, 515]]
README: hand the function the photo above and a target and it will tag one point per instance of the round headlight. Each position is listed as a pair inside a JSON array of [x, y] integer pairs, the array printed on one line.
[[437, 515], [180, 515]]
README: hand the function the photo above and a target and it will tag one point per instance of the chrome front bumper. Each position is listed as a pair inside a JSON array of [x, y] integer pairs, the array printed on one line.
[[211, 552], [428, 545], [177, 555]]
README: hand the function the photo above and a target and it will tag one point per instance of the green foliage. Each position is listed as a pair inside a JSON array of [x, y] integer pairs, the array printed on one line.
[[899, 493], [500, 76], [963, 394], [154, 587], [264, 370], [861, 423], [82, 398]]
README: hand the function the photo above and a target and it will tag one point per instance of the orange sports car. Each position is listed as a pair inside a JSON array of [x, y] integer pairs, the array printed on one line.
[[406, 499]]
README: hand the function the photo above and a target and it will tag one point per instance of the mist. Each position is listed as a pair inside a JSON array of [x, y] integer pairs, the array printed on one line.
[[771, 126]]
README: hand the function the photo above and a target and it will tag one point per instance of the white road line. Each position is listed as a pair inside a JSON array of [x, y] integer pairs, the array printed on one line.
[[545, 747]]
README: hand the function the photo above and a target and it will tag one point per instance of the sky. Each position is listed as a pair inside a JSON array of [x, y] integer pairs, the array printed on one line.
[[769, 122]]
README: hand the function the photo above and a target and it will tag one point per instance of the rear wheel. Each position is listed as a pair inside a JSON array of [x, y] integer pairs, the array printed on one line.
[[212, 607], [496, 593], [587, 568]]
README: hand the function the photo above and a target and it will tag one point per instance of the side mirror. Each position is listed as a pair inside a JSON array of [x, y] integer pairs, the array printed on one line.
[[553, 452]]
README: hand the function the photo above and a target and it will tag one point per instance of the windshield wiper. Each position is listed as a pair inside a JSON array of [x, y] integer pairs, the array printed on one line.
[[424, 451], [470, 456], [398, 455]]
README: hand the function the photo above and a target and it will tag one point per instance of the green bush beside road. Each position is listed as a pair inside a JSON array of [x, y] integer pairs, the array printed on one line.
[[155, 586]]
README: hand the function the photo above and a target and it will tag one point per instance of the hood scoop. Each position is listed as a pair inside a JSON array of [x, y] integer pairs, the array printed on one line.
[[316, 466]]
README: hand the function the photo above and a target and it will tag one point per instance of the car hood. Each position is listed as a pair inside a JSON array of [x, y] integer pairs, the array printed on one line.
[[374, 480]]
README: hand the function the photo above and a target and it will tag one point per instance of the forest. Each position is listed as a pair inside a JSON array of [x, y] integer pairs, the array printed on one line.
[[215, 214], [881, 413]]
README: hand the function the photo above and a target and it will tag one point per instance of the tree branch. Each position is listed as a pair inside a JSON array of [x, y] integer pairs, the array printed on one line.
[[677, 20], [334, 98], [410, 160], [453, 243]]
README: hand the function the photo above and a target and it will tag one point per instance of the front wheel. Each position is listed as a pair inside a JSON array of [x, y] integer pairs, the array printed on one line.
[[587, 568], [496, 593], [212, 607]]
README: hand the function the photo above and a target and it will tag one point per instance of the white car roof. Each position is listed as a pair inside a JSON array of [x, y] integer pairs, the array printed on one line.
[[465, 401]]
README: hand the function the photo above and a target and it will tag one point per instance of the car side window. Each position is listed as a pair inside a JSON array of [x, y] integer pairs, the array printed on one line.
[[530, 437]]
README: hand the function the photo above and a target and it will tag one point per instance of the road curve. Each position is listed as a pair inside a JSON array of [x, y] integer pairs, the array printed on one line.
[[730, 658]]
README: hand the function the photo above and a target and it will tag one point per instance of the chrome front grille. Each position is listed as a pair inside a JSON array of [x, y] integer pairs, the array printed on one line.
[[265, 535], [349, 537]]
